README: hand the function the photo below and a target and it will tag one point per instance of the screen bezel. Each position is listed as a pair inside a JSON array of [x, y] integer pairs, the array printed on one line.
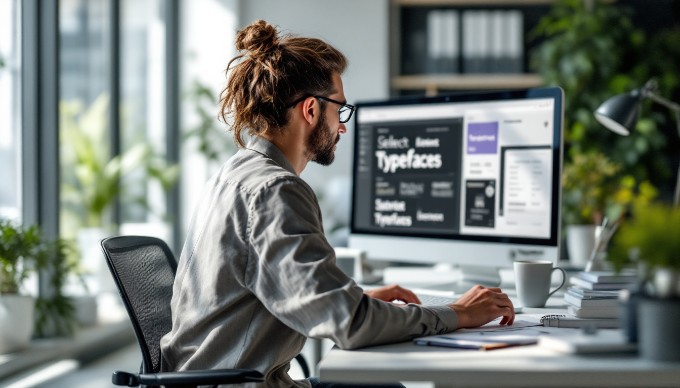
[[554, 93]]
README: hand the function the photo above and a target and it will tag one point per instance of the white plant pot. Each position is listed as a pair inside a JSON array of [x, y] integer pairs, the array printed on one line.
[[580, 243], [16, 322], [86, 310]]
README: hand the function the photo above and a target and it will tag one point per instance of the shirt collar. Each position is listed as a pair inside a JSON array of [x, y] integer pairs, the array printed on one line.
[[268, 149]]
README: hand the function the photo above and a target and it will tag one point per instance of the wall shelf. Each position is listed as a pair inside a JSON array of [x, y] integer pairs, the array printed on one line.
[[469, 3], [409, 67], [432, 84]]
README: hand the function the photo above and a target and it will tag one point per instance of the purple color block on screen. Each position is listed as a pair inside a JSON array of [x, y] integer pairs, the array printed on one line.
[[482, 138]]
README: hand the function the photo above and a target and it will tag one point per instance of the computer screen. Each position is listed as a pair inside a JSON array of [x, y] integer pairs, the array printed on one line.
[[470, 179]]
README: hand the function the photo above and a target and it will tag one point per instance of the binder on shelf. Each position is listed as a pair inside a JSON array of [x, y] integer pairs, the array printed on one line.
[[451, 41], [470, 49], [498, 60], [484, 41], [515, 41], [492, 41], [442, 42], [434, 40], [414, 59]]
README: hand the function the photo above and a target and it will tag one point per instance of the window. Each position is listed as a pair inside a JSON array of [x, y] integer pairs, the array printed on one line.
[[142, 118], [117, 86], [89, 186], [84, 103], [10, 110], [112, 99]]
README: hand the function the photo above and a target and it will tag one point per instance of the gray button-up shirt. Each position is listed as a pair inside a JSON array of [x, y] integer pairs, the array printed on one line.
[[257, 277]]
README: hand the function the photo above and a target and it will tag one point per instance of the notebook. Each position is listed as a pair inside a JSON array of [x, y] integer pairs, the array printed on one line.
[[487, 337]]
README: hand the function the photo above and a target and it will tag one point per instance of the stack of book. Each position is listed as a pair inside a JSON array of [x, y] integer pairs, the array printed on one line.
[[596, 294]]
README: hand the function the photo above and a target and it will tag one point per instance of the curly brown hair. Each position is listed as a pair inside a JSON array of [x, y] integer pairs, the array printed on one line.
[[271, 72]]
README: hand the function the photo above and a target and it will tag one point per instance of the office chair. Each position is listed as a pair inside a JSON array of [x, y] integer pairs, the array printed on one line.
[[144, 270]]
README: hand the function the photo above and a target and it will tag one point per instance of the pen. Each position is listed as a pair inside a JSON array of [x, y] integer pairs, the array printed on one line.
[[468, 344]]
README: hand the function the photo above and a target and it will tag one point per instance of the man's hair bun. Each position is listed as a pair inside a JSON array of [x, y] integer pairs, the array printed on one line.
[[269, 73], [258, 39]]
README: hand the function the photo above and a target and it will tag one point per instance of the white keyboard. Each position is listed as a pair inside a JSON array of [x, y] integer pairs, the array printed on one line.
[[427, 299], [433, 298]]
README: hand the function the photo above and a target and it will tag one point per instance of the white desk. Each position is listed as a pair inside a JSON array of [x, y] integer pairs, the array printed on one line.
[[525, 366]]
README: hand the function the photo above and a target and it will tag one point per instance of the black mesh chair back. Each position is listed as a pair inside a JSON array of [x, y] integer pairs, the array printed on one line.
[[144, 271]]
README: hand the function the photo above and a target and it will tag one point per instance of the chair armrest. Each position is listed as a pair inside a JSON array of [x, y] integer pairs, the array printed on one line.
[[191, 377]]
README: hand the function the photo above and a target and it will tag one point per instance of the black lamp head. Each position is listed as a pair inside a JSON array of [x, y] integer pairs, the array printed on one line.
[[619, 113]]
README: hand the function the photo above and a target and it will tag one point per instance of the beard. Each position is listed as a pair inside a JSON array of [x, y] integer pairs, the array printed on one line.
[[321, 142]]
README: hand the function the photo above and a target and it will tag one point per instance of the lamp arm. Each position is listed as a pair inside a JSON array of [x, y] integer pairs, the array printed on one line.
[[676, 110], [663, 101], [676, 197]]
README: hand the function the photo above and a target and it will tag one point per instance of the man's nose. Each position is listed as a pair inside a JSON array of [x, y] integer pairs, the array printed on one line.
[[343, 128]]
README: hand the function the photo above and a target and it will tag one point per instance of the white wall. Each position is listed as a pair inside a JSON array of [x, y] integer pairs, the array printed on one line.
[[207, 38], [359, 29]]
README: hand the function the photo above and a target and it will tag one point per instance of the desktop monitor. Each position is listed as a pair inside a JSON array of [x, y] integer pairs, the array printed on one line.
[[468, 179]]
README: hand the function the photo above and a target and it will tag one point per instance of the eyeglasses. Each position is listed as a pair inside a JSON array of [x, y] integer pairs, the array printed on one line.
[[344, 112]]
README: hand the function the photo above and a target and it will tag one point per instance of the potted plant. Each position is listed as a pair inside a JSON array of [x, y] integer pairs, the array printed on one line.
[[57, 313], [594, 190], [95, 181], [24, 252], [649, 241]]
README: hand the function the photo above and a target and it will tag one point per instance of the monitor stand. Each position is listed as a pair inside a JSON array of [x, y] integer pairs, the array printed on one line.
[[483, 275], [467, 276]]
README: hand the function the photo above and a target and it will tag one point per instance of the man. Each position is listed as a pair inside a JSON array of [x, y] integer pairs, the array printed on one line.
[[256, 276]]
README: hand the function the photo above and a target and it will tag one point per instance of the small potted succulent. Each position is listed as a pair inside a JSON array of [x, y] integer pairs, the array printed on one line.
[[594, 189]]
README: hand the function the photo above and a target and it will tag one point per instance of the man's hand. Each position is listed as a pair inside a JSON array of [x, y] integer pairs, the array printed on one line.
[[393, 293], [480, 305]]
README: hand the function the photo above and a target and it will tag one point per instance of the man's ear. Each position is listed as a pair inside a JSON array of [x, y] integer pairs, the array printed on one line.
[[310, 110]]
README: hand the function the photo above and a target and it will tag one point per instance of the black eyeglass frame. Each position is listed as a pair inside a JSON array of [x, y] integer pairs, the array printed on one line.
[[351, 107]]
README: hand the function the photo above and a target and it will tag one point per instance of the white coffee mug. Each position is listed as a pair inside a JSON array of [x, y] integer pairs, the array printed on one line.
[[532, 281]]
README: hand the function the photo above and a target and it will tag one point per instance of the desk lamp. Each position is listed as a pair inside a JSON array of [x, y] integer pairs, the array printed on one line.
[[619, 114]]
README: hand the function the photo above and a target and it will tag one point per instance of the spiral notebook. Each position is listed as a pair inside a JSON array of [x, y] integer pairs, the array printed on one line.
[[568, 321]]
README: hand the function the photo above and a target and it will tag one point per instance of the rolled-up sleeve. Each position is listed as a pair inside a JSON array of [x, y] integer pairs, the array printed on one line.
[[291, 269]]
